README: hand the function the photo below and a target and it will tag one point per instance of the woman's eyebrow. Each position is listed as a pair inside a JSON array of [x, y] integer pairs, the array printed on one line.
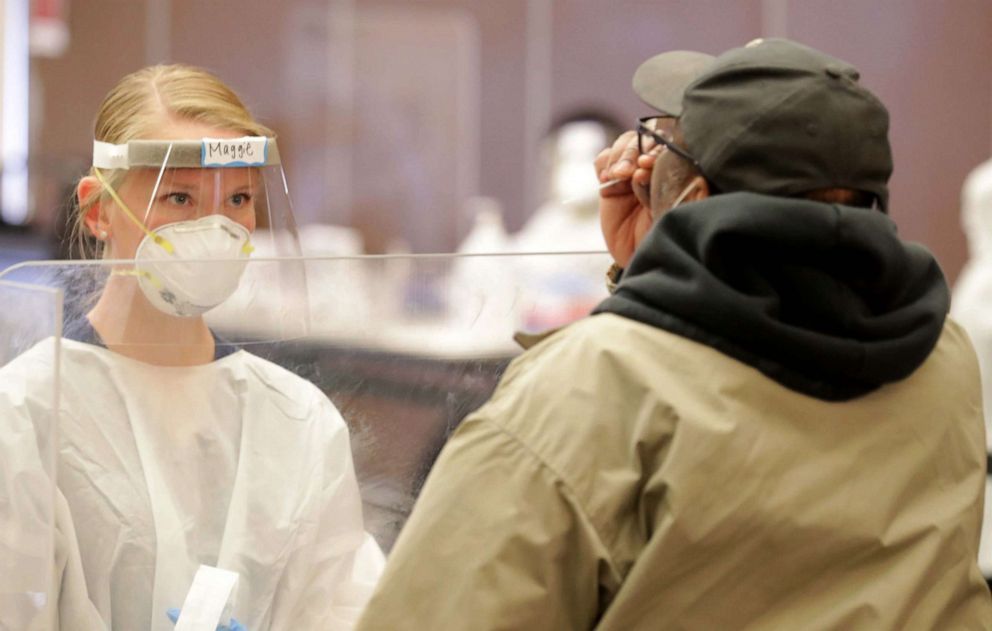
[[173, 185]]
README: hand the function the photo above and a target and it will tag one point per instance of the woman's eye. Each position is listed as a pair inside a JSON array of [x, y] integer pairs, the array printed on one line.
[[179, 199], [240, 199]]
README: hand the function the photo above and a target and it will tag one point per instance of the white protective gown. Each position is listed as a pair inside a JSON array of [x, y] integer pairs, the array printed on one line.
[[971, 306], [238, 464], [41, 581]]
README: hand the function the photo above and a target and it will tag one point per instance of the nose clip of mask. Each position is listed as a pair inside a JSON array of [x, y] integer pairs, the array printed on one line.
[[200, 267]]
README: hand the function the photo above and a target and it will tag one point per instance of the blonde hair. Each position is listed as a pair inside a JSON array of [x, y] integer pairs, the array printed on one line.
[[143, 99]]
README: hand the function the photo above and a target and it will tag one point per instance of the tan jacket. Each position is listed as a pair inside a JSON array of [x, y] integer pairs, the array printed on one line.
[[626, 478]]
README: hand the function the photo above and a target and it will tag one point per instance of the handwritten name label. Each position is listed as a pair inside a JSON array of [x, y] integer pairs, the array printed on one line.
[[223, 152]]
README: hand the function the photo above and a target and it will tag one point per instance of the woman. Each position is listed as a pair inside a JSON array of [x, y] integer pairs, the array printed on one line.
[[176, 450]]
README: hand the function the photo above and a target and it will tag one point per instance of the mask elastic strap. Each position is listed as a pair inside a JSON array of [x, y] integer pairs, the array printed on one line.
[[154, 280], [157, 239]]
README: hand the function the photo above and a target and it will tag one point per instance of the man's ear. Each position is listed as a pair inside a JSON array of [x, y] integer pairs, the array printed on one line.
[[96, 219], [700, 190]]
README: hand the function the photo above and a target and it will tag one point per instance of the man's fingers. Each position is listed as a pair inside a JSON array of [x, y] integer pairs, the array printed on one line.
[[602, 164], [623, 156], [607, 157], [641, 176]]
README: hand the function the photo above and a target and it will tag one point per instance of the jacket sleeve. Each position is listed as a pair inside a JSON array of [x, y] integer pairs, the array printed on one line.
[[495, 541]]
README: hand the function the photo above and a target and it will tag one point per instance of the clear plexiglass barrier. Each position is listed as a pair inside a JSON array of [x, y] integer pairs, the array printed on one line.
[[281, 437], [30, 322]]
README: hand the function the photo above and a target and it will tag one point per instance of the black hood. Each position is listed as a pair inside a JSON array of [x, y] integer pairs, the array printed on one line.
[[823, 298]]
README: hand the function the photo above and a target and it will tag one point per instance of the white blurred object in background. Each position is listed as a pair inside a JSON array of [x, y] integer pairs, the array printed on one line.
[[971, 306], [575, 148], [568, 221], [327, 240], [488, 234], [482, 294]]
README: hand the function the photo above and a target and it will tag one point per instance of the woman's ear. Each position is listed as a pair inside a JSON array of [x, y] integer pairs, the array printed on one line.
[[95, 218]]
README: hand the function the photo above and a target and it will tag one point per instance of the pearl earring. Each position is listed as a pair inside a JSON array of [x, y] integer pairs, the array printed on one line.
[[103, 234]]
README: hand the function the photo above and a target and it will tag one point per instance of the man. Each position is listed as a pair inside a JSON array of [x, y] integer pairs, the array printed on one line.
[[770, 424]]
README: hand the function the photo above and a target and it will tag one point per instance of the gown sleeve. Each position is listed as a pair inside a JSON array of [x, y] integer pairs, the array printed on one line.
[[344, 561]]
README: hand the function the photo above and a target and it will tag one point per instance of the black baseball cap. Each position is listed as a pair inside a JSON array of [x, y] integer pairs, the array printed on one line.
[[773, 117]]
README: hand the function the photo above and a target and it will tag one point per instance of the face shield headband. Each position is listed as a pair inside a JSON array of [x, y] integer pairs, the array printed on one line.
[[208, 153]]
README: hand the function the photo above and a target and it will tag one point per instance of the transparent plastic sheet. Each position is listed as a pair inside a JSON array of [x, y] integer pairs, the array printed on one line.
[[30, 323], [227, 463], [407, 346]]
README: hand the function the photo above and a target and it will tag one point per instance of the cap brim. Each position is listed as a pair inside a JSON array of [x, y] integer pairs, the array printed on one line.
[[661, 81]]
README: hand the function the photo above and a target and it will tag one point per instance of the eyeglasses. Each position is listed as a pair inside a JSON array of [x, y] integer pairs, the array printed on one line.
[[648, 140]]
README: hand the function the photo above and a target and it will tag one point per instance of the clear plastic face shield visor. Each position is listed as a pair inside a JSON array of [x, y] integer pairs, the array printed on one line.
[[184, 217]]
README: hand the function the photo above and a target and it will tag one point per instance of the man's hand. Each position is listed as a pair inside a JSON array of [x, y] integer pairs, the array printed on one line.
[[624, 208]]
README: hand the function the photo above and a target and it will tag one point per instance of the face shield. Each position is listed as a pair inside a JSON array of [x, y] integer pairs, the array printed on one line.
[[188, 216]]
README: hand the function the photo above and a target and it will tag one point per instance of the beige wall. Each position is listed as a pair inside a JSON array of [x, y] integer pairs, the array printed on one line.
[[931, 62]]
